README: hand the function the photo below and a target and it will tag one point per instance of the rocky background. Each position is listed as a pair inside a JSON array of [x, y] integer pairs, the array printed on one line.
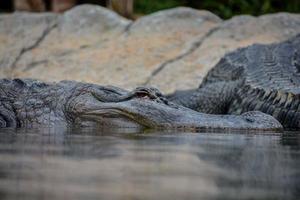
[[170, 49]]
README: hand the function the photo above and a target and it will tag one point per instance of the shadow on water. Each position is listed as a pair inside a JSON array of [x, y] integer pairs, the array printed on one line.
[[108, 164]]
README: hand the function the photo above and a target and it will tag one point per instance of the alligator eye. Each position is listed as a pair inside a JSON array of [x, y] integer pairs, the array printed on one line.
[[142, 94]]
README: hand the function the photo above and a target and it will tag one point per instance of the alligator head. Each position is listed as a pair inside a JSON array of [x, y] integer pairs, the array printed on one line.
[[147, 107], [113, 107]]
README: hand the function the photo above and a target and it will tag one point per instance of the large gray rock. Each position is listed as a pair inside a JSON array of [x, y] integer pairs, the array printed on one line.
[[21, 32], [30, 39], [123, 55], [177, 19], [89, 19], [171, 49]]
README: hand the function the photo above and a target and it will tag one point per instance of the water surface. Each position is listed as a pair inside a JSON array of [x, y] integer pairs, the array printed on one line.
[[104, 164]]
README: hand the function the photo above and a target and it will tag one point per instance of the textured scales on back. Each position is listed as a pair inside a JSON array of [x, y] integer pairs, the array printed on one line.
[[271, 80], [258, 77]]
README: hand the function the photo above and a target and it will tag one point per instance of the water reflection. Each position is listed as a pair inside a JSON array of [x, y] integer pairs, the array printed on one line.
[[97, 164]]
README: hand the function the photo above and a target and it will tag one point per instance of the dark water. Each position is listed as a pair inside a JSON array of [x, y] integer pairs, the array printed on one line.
[[95, 164]]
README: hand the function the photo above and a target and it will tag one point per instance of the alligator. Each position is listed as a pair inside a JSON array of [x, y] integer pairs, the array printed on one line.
[[256, 87], [32, 103], [259, 77]]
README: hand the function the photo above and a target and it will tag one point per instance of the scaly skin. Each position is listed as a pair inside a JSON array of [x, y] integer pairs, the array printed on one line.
[[262, 78], [30, 103]]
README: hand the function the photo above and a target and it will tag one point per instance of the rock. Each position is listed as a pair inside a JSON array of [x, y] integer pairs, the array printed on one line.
[[171, 49], [173, 20], [123, 57], [82, 27], [21, 32], [91, 20]]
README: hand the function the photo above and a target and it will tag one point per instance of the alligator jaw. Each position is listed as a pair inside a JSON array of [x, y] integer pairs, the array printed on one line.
[[146, 113], [110, 117]]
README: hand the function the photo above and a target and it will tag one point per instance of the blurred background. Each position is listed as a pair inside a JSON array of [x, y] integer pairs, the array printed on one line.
[[134, 8]]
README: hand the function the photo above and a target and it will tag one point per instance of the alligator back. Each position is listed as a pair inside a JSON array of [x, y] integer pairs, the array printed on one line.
[[10, 88], [270, 77]]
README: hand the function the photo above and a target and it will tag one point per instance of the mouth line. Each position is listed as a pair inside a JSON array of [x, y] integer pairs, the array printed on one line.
[[107, 111], [113, 113]]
